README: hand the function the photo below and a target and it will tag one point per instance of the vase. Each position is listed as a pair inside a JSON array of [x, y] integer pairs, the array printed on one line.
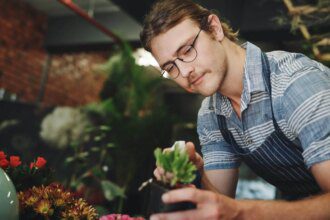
[[8, 198]]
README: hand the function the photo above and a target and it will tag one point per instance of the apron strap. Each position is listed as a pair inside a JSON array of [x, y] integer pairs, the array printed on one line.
[[227, 135]]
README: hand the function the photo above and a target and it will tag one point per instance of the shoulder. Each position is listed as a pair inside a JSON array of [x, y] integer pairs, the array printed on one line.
[[302, 86], [291, 64], [293, 72]]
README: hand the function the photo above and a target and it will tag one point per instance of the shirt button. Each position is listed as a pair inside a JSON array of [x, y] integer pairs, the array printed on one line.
[[211, 108], [249, 141]]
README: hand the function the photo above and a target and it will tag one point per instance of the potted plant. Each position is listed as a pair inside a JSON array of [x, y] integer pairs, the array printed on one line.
[[181, 170]]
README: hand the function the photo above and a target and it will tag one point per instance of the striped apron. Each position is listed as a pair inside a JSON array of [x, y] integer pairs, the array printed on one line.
[[278, 160]]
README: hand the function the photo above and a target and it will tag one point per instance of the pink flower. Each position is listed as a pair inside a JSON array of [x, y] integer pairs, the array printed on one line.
[[119, 217]]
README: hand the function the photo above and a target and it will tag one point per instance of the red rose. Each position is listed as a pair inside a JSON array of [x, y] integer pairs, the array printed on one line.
[[14, 161], [4, 163], [2, 155], [40, 163]]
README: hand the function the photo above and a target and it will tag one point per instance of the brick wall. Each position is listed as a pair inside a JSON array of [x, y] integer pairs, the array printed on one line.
[[71, 80]]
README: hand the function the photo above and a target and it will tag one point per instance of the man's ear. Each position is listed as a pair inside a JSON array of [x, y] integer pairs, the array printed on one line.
[[216, 27]]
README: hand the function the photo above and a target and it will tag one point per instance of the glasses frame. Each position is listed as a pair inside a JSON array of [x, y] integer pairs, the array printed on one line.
[[192, 45]]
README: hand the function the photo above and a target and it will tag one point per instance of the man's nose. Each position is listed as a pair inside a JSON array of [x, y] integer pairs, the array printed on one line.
[[185, 69]]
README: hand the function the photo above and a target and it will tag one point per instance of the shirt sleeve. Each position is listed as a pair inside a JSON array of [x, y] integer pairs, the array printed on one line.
[[217, 153], [306, 104]]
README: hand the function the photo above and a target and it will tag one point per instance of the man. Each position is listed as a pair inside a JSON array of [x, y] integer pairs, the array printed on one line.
[[271, 111]]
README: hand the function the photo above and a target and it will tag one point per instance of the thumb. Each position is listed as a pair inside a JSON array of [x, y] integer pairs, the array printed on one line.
[[190, 148], [194, 156]]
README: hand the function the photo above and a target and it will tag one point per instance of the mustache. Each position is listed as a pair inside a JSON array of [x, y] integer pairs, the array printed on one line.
[[194, 78]]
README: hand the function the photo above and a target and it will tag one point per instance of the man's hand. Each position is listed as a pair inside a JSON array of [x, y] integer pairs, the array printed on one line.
[[193, 156], [209, 205]]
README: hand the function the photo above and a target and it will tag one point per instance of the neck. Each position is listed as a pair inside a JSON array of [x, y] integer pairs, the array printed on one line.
[[232, 85]]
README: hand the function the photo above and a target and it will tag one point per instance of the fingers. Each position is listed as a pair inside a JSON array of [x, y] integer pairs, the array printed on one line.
[[189, 194], [167, 149], [162, 175], [157, 174]]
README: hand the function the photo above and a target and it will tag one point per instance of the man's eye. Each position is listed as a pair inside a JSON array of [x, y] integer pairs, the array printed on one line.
[[169, 68], [187, 50]]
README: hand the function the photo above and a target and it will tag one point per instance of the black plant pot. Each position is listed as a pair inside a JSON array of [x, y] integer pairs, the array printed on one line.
[[156, 205]]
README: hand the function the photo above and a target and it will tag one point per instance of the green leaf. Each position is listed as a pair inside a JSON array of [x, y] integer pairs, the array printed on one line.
[[104, 128], [69, 159], [97, 138], [110, 145], [111, 190], [101, 210], [83, 155], [95, 149]]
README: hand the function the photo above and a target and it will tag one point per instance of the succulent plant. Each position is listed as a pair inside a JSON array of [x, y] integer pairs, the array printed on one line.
[[176, 162]]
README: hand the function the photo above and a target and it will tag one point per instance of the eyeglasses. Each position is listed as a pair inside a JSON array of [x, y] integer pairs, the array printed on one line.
[[186, 54]]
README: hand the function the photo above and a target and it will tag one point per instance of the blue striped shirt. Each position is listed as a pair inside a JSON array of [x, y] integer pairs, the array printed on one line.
[[301, 103]]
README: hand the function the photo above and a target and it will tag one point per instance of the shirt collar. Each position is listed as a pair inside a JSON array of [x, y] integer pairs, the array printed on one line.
[[252, 82], [253, 77]]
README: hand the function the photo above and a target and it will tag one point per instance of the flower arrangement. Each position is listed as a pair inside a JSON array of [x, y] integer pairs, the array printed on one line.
[[38, 197], [25, 176], [54, 202], [14, 161]]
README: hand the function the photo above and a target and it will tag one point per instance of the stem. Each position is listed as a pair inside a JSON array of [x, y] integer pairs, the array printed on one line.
[[120, 205]]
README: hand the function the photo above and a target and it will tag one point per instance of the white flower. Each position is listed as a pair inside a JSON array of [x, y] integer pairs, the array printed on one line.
[[65, 125]]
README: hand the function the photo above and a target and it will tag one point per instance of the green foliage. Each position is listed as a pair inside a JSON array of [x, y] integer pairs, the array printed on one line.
[[132, 105], [89, 166], [128, 90], [25, 177], [111, 190], [177, 163]]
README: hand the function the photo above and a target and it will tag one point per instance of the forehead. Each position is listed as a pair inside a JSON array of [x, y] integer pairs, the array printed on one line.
[[164, 45]]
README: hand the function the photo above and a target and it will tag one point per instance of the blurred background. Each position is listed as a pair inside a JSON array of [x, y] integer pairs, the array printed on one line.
[[76, 88]]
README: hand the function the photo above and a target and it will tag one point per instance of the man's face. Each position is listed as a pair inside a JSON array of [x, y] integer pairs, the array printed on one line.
[[203, 75]]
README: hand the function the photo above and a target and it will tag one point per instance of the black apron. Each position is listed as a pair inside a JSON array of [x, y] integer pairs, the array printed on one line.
[[278, 160]]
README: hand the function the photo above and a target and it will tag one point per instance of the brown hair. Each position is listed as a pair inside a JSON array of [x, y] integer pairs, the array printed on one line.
[[165, 14]]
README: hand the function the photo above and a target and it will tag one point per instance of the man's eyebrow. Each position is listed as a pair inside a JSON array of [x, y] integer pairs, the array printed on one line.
[[184, 43]]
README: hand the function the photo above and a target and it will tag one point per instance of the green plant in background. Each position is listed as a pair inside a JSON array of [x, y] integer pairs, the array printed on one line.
[[90, 169], [85, 146], [131, 104], [176, 162]]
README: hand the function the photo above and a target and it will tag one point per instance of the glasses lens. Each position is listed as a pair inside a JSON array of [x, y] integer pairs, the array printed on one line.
[[170, 71], [187, 53]]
